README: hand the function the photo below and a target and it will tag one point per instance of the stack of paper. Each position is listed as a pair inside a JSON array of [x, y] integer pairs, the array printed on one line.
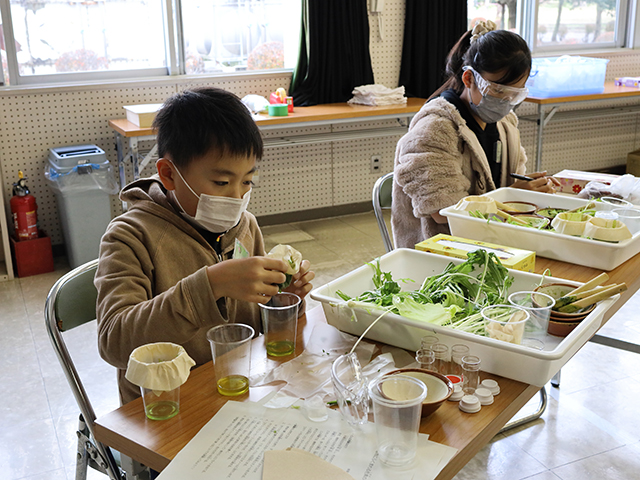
[[378, 95]]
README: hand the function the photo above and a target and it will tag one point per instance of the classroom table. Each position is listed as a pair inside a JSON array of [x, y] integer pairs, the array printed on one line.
[[548, 109], [155, 443], [128, 135]]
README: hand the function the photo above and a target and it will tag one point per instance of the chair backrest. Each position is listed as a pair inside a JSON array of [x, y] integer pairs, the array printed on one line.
[[72, 302], [381, 198]]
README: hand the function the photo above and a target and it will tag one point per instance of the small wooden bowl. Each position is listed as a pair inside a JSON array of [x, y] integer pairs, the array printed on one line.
[[561, 329], [557, 290], [439, 387], [516, 207]]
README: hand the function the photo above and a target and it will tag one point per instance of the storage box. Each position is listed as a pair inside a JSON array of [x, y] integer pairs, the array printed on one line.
[[517, 362], [566, 75], [633, 163], [573, 181], [546, 243], [142, 115], [458, 247], [32, 257]]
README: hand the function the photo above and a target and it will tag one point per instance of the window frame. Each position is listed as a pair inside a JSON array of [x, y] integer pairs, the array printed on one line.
[[626, 17]]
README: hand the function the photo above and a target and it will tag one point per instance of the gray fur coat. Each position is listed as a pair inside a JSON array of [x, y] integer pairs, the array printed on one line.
[[438, 162]]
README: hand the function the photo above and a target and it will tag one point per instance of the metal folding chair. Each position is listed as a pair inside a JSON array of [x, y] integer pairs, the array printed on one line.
[[381, 198], [72, 302]]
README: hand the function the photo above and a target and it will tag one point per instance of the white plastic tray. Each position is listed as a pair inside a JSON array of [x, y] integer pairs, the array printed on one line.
[[520, 363], [546, 243]]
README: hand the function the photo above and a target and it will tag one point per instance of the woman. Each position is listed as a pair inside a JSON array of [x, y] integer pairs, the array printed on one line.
[[465, 139]]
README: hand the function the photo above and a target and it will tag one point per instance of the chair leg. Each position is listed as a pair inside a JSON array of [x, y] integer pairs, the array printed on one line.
[[555, 381], [82, 460], [133, 470], [529, 418]]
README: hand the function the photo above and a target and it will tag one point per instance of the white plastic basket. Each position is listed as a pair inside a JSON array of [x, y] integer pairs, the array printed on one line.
[[508, 360], [546, 243]]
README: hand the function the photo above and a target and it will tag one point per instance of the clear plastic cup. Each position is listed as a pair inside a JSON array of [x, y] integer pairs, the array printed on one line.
[[280, 324], [505, 322], [630, 217], [397, 407], [231, 351], [350, 387], [538, 306], [609, 203], [161, 405]]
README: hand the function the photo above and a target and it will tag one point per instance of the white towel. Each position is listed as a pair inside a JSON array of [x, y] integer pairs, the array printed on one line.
[[378, 95]]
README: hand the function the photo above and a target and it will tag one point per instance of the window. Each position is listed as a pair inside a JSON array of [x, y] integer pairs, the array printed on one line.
[[79, 40], [560, 25]]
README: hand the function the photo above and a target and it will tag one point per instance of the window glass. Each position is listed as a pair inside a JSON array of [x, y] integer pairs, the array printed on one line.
[[237, 35], [502, 12], [55, 36], [573, 22]]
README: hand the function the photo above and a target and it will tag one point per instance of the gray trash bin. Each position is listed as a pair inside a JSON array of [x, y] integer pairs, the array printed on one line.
[[82, 179]]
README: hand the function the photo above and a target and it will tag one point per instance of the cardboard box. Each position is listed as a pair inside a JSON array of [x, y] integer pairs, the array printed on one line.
[[32, 257], [633, 163], [573, 181], [142, 115], [458, 247]]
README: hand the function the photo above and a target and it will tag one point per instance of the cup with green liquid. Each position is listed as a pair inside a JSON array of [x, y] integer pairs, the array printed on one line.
[[231, 350], [280, 324]]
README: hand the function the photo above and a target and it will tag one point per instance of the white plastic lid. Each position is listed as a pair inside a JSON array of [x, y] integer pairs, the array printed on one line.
[[469, 404], [491, 385], [457, 393], [484, 395]]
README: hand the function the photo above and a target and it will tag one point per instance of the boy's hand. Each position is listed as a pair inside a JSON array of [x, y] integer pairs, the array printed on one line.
[[300, 284], [252, 279], [540, 183]]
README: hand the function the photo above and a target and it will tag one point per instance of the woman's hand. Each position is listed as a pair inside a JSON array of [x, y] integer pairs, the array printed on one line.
[[540, 183], [300, 284]]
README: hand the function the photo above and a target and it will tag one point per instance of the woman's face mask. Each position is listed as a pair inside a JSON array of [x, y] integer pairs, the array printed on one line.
[[213, 213], [497, 99]]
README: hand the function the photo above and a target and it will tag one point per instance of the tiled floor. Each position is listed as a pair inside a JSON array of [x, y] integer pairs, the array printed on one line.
[[591, 429]]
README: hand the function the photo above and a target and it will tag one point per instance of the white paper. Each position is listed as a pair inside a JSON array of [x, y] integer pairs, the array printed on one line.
[[231, 446]]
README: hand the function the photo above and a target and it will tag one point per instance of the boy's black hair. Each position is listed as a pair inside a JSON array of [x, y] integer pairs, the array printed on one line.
[[193, 122], [493, 52]]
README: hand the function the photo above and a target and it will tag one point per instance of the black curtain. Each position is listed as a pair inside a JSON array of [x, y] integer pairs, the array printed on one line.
[[334, 52], [431, 28]]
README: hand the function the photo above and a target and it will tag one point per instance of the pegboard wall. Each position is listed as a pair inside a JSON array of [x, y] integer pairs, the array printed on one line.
[[293, 177], [386, 43]]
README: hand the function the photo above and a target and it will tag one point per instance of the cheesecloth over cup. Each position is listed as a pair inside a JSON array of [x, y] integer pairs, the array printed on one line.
[[160, 367]]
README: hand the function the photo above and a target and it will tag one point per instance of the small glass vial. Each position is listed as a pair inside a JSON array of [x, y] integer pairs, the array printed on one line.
[[470, 374], [428, 340], [457, 352], [441, 352], [426, 359]]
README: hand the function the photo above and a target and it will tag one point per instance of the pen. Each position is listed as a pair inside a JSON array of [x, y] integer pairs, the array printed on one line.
[[521, 177]]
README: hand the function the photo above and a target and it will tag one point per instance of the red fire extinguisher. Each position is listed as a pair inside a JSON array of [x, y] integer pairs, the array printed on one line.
[[23, 209]]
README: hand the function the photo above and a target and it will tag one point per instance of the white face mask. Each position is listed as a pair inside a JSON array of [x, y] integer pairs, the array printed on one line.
[[216, 214]]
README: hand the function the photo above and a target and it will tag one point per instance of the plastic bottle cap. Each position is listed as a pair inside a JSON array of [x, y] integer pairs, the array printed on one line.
[[484, 395], [457, 393], [491, 385], [469, 404]]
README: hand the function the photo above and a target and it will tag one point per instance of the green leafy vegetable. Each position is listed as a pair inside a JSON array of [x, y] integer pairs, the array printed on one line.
[[452, 298]]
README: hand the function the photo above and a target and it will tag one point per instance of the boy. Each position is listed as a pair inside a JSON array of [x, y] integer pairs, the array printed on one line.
[[166, 272]]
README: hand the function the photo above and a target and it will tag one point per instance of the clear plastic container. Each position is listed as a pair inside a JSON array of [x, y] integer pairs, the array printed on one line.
[[566, 75]]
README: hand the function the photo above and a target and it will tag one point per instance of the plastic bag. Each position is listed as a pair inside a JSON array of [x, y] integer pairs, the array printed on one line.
[[255, 103], [82, 178], [626, 187]]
